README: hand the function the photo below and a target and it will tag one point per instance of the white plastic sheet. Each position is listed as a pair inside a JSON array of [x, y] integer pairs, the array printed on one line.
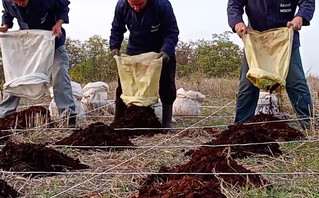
[[27, 61]]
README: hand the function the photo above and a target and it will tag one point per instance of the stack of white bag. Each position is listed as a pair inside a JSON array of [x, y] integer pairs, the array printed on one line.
[[188, 103], [77, 96], [95, 98]]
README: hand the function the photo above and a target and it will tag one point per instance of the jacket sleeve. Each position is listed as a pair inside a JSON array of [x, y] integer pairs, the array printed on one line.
[[235, 11], [7, 18], [306, 10], [118, 27], [62, 10], [169, 30]]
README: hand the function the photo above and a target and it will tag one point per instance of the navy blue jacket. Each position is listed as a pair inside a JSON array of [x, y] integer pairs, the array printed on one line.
[[156, 31], [267, 14], [39, 14]]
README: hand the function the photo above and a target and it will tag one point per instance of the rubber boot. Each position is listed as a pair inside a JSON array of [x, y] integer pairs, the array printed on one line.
[[120, 108], [72, 121], [167, 115]]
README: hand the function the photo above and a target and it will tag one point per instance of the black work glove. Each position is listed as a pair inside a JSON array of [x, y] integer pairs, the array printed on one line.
[[115, 51], [164, 55]]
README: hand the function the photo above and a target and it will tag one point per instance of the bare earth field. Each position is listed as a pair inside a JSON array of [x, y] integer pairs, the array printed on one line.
[[194, 159]]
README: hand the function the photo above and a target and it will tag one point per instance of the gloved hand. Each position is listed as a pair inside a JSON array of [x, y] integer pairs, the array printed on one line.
[[115, 52], [164, 55]]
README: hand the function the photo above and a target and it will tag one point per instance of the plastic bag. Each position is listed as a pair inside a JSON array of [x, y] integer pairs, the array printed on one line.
[[27, 62], [139, 76], [268, 56]]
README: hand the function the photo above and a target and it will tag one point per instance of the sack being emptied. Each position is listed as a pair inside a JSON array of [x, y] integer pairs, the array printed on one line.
[[268, 56]]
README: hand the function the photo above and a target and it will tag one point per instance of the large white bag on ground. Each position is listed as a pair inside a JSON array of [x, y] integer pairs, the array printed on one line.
[[188, 103], [158, 110], [77, 96], [27, 57], [95, 97]]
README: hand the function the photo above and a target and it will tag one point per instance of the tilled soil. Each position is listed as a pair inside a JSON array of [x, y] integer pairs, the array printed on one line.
[[138, 117], [24, 157], [96, 134], [7, 191]]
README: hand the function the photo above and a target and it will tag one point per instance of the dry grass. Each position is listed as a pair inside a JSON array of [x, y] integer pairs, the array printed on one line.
[[297, 157]]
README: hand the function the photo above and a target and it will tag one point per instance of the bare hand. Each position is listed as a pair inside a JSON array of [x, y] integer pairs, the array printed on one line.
[[296, 23], [241, 29], [57, 28], [4, 28]]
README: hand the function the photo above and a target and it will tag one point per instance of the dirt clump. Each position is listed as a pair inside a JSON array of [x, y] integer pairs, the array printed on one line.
[[4, 136], [241, 134], [6, 190], [31, 117], [138, 117], [96, 134], [205, 160], [257, 130], [278, 129], [185, 187], [26, 157]]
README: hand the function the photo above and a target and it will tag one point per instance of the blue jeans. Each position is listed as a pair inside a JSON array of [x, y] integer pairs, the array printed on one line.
[[62, 89], [296, 87]]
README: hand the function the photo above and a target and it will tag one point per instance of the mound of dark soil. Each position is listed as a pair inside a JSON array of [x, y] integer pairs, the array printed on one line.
[[31, 157], [97, 134], [138, 117], [26, 119], [239, 134], [7, 191], [279, 130], [245, 133], [212, 160], [185, 187]]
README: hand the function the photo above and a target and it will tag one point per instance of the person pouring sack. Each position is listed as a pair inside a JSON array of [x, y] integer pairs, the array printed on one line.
[[264, 15], [45, 15], [153, 27]]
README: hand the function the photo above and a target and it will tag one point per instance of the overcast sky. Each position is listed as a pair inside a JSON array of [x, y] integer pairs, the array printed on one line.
[[196, 20]]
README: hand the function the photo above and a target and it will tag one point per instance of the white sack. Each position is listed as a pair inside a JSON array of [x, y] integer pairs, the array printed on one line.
[[95, 97], [27, 61], [188, 103], [158, 109], [77, 96]]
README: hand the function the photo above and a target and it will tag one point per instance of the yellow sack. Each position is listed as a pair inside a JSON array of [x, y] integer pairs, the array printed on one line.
[[139, 76], [268, 56]]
